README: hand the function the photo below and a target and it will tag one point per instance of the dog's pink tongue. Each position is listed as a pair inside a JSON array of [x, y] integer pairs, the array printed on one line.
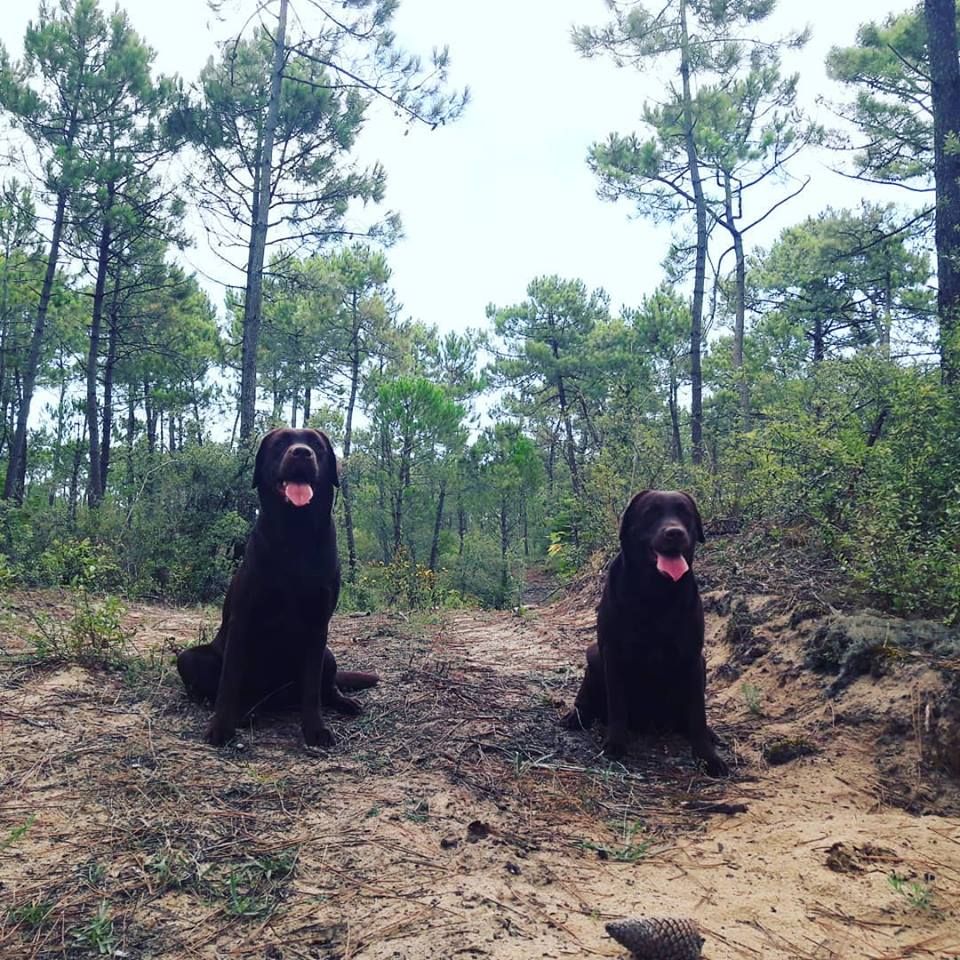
[[672, 567], [299, 494]]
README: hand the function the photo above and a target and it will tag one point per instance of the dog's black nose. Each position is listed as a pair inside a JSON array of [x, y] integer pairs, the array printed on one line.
[[674, 537], [301, 450]]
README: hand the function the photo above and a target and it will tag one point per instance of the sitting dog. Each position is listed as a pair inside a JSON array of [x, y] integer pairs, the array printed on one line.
[[647, 673], [271, 649]]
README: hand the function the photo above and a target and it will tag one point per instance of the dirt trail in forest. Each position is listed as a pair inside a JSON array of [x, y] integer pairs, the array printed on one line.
[[454, 819]]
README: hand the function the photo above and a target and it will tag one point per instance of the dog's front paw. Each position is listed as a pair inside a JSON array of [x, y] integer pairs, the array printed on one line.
[[219, 733], [315, 734], [572, 720], [614, 748], [716, 767]]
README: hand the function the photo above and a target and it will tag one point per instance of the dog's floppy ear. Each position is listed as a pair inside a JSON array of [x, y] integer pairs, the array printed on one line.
[[696, 516], [626, 514], [258, 464], [328, 447]]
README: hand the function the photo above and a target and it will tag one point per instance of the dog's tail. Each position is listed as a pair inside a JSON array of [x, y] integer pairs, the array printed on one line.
[[350, 680]]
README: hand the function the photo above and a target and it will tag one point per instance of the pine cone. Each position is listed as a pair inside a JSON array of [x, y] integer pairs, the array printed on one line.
[[658, 938]]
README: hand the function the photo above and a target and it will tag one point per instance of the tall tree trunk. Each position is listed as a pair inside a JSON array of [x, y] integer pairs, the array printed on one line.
[[526, 527], [197, 421], [700, 262], [437, 524], [570, 447], [504, 546], [13, 485], [131, 437], [151, 418], [253, 299], [4, 333], [382, 474], [17, 397], [886, 321], [551, 461], [405, 455], [941, 20], [75, 473], [108, 374], [819, 347], [675, 423], [94, 483], [61, 416], [346, 488], [740, 302], [588, 420], [306, 405], [6, 434]]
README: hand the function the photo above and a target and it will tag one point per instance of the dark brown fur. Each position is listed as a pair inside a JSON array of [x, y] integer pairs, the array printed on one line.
[[647, 673], [271, 649]]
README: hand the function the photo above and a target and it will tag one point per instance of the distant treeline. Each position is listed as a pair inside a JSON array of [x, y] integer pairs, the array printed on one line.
[[809, 384]]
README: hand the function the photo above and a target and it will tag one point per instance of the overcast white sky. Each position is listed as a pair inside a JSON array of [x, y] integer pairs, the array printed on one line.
[[504, 194]]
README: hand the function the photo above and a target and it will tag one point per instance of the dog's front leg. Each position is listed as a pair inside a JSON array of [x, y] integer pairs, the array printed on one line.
[[590, 697], [226, 711], [315, 732], [702, 739], [615, 674]]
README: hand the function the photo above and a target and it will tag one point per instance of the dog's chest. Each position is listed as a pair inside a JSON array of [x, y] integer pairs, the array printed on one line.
[[653, 638], [289, 599], [655, 647], [298, 596]]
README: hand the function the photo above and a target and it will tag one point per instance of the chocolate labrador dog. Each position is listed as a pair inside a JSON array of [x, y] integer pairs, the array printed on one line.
[[647, 673], [271, 649]]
